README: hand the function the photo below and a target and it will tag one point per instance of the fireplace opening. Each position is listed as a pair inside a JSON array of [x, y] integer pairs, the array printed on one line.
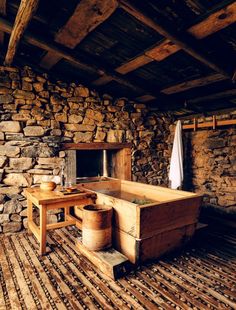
[[93, 163], [92, 160]]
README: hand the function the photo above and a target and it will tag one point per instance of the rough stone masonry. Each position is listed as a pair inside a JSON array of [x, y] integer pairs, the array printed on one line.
[[37, 116]]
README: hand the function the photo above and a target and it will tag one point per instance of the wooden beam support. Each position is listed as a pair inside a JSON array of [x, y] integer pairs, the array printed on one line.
[[68, 55], [2, 13], [213, 23], [96, 146], [213, 78], [216, 96], [88, 15], [25, 12], [187, 43]]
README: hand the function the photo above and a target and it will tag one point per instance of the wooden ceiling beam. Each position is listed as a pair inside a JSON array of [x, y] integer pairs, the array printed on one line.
[[88, 15], [2, 13], [216, 96], [202, 81], [68, 55], [213, 23], [187, 43], [25, 12]]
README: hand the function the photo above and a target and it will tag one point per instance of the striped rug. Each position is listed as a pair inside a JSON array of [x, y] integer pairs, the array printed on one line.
[[200, 277]]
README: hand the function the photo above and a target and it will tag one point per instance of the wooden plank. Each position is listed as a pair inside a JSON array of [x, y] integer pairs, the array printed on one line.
[[49, 198], [153, 192], [213, 78], [19, 277], [165, 242], [209, 124], [222, 18], [104, 79], [8, 276], [71, 167], [124, 214], [25, 12], [29, 271], [96, 146], [122, 164], [49, 60], [110, 262], [168, 216], [126, 244], [216, 96], [2, 13], [187, 43], [162, 50], [215, 22], [141, 250], [145, 98], [134, 64], [71, 57], [88, 15], [60, 224], [112, 284], [109, 185], [78, 222], [69, 203], [59, 274]]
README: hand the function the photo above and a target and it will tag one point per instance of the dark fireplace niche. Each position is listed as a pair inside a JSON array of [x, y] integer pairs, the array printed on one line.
[[89, 163], [85, 160]]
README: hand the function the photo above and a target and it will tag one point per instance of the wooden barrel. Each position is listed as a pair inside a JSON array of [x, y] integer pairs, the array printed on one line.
[[96, 227]]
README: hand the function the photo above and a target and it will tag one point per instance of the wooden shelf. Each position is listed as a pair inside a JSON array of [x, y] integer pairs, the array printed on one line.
[[215, 123]]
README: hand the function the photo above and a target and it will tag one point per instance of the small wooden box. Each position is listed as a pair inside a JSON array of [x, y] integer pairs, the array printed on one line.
[[165, 221]]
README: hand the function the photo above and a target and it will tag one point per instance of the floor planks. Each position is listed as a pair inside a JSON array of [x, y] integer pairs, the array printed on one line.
[[201, 276]]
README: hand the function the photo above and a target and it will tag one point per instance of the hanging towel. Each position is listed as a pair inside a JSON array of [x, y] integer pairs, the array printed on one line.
[[176, 163]]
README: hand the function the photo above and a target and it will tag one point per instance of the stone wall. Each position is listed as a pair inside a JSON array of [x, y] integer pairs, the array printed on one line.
[[38, 115], [210, 168]]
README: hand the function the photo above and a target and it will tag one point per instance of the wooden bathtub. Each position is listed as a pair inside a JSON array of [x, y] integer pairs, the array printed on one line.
[[148, 220]]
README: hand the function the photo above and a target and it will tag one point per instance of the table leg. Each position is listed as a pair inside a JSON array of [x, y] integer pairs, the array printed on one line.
[[43, 229], [29, 213], [66, 212]]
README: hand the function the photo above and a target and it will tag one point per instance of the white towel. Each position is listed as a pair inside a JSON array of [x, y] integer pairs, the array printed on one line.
[[176, 175]]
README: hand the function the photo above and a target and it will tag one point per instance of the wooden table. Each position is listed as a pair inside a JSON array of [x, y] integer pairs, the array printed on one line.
[[51, 200]]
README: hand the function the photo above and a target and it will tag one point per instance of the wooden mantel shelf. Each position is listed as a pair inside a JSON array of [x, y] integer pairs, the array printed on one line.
[[96, 146]]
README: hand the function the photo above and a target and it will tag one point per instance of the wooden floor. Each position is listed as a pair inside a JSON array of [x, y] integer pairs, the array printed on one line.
[[200, 277]]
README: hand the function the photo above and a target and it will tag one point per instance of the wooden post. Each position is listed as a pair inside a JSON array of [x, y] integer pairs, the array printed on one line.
[[214, 121], [42, 229], [23, 17], [194, 124], [29, 213]]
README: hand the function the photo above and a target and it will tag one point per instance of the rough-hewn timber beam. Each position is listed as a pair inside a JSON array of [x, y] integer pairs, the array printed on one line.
[[216, 96], [87, 16], [202, 81], [2, 13], [187, 43], [213, 23], [23, 17], [68, 55]]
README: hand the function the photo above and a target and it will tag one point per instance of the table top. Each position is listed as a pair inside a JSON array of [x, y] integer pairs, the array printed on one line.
[[39, 196]]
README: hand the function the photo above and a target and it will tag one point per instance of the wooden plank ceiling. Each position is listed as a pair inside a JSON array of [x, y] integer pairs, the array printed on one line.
[[174, 55]]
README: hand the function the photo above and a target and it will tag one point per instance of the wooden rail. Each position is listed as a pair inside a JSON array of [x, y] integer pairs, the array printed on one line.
[[214, 123]]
